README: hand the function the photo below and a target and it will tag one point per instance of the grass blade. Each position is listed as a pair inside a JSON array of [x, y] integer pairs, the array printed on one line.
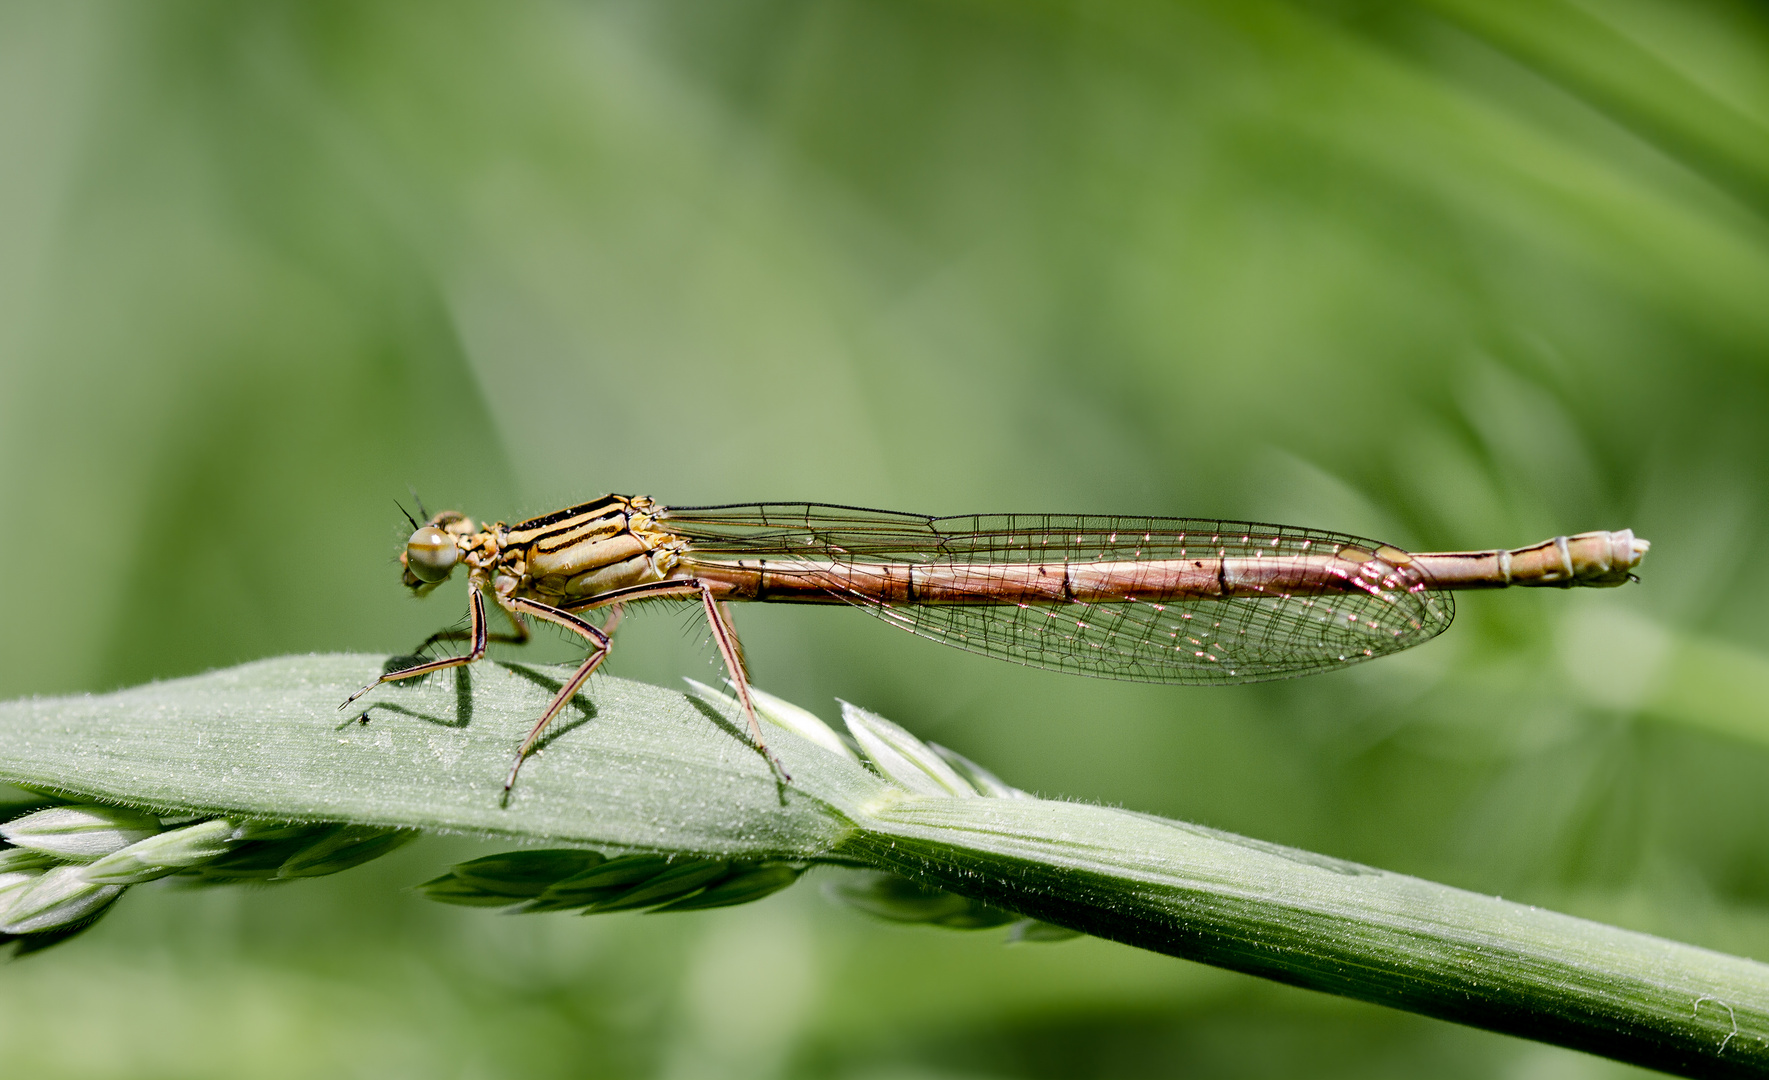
[[641, 769]]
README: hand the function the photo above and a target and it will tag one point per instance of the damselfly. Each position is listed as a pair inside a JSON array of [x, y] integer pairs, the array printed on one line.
[[1149, 599]]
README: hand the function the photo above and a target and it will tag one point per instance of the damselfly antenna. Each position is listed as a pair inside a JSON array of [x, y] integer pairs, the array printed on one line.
[[407, 515], [414, 490]]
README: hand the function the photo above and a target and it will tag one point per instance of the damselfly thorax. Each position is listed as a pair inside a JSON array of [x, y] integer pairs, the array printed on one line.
[[1143, 598]]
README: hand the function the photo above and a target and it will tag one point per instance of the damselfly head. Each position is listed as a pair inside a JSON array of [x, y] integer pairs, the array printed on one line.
[[430, 556]]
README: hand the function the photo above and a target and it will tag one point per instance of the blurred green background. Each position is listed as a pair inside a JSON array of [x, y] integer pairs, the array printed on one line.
[[1450, 274]]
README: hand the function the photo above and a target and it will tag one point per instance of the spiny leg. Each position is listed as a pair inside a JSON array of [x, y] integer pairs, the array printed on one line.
[[726, 639], [518, 636], [730, 650], [476, 629], [599, 646], [736, 644]]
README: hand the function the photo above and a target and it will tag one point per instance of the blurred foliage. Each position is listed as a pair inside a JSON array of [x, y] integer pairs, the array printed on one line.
[[1446, 273]]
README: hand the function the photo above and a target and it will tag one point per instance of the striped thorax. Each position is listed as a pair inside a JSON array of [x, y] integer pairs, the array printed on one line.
[[574, 554]]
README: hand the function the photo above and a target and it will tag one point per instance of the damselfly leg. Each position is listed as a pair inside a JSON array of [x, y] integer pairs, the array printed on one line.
[[476, 634], [600, 643], [519, 635], [724, 638]]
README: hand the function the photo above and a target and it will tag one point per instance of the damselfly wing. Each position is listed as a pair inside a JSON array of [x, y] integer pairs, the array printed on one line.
[[1119, 603]]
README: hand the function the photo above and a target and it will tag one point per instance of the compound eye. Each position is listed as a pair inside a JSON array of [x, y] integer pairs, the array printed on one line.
[[430, 554]]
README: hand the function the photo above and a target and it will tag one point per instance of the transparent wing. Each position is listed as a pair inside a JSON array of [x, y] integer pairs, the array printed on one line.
[[1244, 638]]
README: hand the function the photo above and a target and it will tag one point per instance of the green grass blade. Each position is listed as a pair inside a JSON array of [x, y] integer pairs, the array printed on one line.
[[631, 766], [1339, 927], [641, 768]]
